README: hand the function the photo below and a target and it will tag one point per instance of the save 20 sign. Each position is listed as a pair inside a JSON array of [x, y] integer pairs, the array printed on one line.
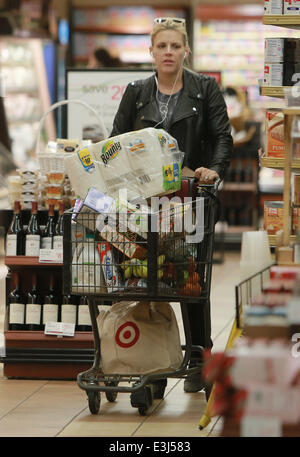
[[102, 90]]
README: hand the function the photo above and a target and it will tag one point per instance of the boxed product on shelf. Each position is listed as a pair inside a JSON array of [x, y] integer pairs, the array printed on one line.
[[280, 50], [296, 190], [280, 74], [291, 7], [295, 219], [284, 272], [273, 74], [254, 383], [273, 216], [274, 133], [273, 7]]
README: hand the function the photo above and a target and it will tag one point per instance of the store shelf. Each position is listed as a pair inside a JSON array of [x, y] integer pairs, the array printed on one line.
[[23, 260], [291, 112], [235, 229], [272, 91], [282, 20], [272, 239], [240, 186], [37, 339], [271, 162]]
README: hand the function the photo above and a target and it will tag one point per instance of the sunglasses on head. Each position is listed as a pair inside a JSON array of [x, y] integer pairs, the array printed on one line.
[[170, 21]]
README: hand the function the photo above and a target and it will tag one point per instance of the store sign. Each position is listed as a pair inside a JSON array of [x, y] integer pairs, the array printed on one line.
[[102, 90]]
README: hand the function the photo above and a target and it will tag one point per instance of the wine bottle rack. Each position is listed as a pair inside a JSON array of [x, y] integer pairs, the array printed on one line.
[[32, 354]]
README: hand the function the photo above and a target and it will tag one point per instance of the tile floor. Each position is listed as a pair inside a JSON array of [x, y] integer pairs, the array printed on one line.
[[42, 408]]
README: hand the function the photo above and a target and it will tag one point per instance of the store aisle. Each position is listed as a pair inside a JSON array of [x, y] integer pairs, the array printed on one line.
[[35, 408]]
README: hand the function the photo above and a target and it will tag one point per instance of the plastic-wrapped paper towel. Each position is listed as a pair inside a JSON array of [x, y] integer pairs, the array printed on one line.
[[146, 162], [112, 162], [83, 172]]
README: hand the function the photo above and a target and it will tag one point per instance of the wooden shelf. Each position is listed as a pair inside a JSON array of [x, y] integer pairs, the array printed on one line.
[[288, 264], [240, 228], [272, 162], [242, 186], [272, 239], [291, 111], [272, 91], [33, 339], [282, 20], [22, 260]]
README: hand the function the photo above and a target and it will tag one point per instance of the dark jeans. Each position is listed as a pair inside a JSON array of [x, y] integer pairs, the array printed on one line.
[[200, 325]]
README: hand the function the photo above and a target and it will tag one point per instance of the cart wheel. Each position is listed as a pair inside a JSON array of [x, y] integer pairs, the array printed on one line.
[[142, 399], [111, 396], [142, 410], [94, 401]]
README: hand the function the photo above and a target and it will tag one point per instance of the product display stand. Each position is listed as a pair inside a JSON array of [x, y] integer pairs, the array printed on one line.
[[286, 163]]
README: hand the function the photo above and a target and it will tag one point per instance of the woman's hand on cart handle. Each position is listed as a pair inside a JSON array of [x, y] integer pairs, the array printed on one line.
[[206, 176], [187, 173]]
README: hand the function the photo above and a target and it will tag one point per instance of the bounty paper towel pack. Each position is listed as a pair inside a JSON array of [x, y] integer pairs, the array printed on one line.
[[146, 162], [83, 173], [145, 155], [111, 160]]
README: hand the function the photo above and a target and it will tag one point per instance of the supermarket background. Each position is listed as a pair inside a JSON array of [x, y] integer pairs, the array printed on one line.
[[227, 40], [40, 42]]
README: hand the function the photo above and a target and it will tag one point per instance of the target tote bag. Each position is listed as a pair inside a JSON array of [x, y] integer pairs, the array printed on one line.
[[139, 338]]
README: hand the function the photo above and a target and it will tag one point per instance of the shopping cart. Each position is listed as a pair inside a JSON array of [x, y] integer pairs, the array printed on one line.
[[182, 237]]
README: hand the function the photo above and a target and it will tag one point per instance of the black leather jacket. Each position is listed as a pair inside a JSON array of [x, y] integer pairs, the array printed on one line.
[[199, 123]]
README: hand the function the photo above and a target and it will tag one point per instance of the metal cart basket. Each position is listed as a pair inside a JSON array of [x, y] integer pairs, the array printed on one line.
[[162, 254]]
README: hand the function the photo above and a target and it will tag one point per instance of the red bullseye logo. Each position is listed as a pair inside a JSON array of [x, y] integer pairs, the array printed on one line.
[[127, 335]]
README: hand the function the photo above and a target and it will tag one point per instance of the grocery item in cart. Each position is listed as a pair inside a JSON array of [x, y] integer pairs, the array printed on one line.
[[123, 242], [83, 173], [139, 338], [111, 273], [87, 275], [89, 210], [146, 162]]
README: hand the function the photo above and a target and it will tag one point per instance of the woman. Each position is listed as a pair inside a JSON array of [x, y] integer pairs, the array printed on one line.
[[191, 108]]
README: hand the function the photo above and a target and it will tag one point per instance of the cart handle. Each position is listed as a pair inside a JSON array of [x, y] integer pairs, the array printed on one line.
[[65, 102]]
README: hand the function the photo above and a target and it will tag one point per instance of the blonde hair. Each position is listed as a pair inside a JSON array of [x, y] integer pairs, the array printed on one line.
[[170, 26]]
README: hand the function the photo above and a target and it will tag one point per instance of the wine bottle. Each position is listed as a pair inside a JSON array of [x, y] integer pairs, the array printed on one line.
[[68, 310], [84, 319], [15, 233], [33, 234], [16, 306], [33, 317], [50, 306], [48, 233], [58, 233]]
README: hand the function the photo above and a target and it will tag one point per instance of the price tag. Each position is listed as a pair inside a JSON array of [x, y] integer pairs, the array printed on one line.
[[59, 329], [51, 256], [261, 426]]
